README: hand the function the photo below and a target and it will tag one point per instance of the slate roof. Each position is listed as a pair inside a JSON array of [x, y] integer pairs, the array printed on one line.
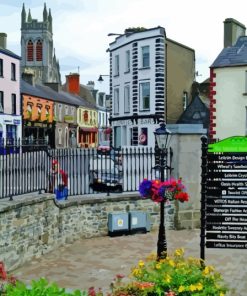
[[9, 53], [197, 112], [46, 92], [235, 55]]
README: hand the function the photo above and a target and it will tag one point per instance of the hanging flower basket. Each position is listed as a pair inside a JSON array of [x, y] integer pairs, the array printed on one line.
[[163, 191]]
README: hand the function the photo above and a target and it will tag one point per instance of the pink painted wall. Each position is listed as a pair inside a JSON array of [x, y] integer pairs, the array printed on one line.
[[9, 86]]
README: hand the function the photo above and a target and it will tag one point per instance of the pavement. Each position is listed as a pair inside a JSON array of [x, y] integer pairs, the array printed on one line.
[[96, 261]]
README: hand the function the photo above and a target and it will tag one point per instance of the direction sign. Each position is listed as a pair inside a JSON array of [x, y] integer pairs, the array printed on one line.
[[226, 245], [226, 236]]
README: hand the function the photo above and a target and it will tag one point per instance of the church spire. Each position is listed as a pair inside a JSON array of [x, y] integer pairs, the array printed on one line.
[[23, 15], [29, 18], [50, 20], [45, 14]]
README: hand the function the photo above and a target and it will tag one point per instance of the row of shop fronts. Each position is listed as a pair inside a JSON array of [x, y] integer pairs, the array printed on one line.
[[61, 123]]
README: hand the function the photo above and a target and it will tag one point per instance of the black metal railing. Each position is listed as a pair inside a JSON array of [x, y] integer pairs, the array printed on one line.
[[36, 168]]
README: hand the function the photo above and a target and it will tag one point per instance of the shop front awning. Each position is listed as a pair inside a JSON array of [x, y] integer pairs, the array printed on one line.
[[89, 129]]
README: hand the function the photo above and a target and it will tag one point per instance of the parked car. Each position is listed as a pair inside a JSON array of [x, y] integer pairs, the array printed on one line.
[[104, 174], [104, 147]]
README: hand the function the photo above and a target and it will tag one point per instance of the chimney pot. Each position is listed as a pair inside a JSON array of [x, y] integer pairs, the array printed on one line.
[[3, 40]]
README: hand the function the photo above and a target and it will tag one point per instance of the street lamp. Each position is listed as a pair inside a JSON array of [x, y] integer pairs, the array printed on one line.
[[163, 137], [101, 77]]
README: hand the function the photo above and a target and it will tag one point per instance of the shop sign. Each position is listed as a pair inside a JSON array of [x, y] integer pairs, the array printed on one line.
[[68, 118]]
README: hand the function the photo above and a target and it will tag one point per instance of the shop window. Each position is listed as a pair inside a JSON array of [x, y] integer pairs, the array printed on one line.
[[1, 67]]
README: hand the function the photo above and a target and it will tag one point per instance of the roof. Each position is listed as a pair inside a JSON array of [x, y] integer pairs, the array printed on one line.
[[235, 55], [197, 113], [85, 93], [46, 92], [9, 53]]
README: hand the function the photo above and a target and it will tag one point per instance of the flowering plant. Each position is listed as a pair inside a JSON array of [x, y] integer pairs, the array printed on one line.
[[163, 191], [175, 275]]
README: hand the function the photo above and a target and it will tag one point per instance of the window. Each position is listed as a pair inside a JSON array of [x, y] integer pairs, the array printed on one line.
[[1, 68], [127, 61], [101, 100], [13, 103], [60, 132], [145, 57], [116, 101], [245, 80], [1, 102], [39, 54], [116, 65], [145, 96], [127, 99], [60, 107], [13, 71], [30, 51]]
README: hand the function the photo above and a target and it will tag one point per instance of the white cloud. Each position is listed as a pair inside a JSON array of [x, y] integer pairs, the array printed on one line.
[[80, 27]]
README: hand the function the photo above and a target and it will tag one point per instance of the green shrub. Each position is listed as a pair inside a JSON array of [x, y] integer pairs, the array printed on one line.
[[40, 287]]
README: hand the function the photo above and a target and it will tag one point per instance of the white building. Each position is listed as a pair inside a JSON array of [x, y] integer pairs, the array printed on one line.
[[10, 118], [228, 81], [137, 63]]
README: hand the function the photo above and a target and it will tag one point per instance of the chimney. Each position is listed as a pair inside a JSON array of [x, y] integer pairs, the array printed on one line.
[[73, 83], [232, 30], [3, 40], [28, 77]]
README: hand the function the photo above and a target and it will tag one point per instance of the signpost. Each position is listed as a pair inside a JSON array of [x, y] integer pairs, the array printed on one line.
[[224, 194]]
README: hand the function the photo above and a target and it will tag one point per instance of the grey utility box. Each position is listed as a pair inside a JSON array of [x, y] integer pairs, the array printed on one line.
[[139, 221], [118, 223]]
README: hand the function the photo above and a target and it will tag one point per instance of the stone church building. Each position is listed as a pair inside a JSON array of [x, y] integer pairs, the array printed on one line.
[[37, 51]]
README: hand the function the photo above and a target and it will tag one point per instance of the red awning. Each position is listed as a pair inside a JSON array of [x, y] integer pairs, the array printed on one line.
[[108, 130], [89, 129]]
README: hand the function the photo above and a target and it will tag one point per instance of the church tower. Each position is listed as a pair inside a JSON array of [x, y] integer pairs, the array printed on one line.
[[37, 52]]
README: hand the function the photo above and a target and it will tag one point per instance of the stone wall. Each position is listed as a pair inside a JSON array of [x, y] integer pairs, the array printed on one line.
[[34, 225]]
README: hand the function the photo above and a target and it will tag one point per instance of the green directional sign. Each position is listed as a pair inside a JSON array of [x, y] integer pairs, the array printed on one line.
[[232, 144]]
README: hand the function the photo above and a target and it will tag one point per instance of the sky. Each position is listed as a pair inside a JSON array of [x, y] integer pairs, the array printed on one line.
[[80, 29]]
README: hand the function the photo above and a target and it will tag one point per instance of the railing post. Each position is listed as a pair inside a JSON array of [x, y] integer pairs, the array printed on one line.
[[204, 147]]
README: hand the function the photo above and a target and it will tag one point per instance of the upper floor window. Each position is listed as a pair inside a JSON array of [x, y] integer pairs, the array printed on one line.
[[144, 96], [127, 99], [116, 101], [101, 100], [1, 68], [1, 102], [127, 61], [116, 65], [145, 57], [13, 103], [39, 53], [245, 81], [13, 71], [30, 51]]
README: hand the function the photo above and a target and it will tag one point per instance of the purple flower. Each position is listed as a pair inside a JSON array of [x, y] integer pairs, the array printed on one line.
[[145, 188], [162, 191]]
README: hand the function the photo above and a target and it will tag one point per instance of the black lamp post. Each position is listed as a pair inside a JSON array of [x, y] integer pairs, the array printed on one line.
[[100, 79], [162, 136]]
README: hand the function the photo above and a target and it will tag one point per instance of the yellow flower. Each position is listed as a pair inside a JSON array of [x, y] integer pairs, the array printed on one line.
[[181, 289], [179, 252], [141, 263], [199, 286], [208, 269], [222, 294], [171, 262], [168, 278], [158, 266], [192, 288], [136, 272]]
